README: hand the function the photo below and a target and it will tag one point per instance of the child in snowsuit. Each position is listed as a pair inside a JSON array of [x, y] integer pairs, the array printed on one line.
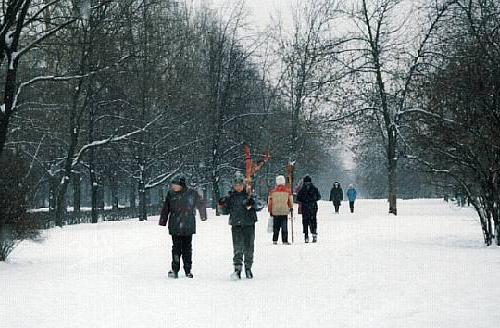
[[336, 196], [308, 196], [351, 195], [242, 217], [179, 211], [280, 203]]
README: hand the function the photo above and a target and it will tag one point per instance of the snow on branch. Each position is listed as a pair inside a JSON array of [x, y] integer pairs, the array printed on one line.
[[40, 11], [45, 36], [54, 78], [112, 138], [426, 113], [162, 178], [244, 115], [346, 116]]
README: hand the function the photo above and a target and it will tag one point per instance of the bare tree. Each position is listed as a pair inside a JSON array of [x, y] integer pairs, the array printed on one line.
[[308, 54], [459, 118], [380, 51], [18, 36]]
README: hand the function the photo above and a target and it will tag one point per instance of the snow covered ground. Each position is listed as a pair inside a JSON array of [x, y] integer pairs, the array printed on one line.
[[425, 268]]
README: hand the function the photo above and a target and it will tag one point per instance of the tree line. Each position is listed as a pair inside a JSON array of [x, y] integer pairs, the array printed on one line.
[[107, 99]]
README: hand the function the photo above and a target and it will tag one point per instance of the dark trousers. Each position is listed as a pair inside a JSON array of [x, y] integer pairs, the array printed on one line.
[[182, 246], [243, 246], [337, 206], [280, 222], [351, 206], [309, 222]]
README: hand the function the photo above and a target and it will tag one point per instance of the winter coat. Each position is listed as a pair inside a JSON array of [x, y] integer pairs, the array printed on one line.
[[336, 195], [351, 194], [308, 196], [280, 201], [236, 205], [179, 211]]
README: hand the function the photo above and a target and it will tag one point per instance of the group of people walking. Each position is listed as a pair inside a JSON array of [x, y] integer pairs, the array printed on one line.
[[337, 196], [241, 205]]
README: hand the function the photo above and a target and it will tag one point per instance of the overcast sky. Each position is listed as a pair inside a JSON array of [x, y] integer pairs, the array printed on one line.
[[260, 10]]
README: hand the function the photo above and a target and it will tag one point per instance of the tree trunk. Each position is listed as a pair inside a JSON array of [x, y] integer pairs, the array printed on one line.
[[216, 191], [94, 185], [215, 168], [497, 232], [4, 125], [392, 176], [68, 166], [94, 197], [61, 202], [143, 215], [100, 195], [478, 204], [9, 97], [53, 184], [76, 192], [114, 194], [132, 194], [161, 196]]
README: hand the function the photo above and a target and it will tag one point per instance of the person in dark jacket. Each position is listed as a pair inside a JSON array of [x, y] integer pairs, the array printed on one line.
[[308, 196], [179, 212], [242, 210], [351, 195], [336, 196]]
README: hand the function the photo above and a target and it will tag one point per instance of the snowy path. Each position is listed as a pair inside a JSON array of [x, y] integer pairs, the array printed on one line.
[[424, 268]]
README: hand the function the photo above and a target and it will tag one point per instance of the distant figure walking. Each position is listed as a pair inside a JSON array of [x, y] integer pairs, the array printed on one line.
[[308, 196], [179, 212], [351, 195], [336, 195], [280, 203]]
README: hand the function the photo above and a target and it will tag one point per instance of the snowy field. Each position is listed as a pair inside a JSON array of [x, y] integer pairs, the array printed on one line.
[[425, 268]]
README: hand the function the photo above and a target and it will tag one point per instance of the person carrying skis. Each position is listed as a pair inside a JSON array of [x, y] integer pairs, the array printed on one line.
[[178, 211], [280, 203], [351, 195], [336, 196], [241, 207], [308, 196]]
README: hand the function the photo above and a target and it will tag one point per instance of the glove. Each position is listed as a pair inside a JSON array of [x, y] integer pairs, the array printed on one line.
[[249, 202], [222, 201]]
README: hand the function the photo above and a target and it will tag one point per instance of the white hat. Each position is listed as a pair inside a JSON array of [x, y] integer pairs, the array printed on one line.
[[280, 180]]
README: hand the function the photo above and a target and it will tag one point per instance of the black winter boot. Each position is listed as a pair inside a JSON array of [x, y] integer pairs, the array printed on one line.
[[315, 238], [236, 275], [306, 238], [249, 273], [173, 274]]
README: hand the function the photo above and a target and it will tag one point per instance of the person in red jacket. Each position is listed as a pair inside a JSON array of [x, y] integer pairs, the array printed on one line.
[[280, 203]]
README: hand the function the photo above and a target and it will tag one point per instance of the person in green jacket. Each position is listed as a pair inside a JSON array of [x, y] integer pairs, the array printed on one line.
[[242, 210], [179, 211]]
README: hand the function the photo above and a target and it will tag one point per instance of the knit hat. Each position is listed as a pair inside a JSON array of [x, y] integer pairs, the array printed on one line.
[[238, 178], [280, 180], [307, 179], [179, 180]]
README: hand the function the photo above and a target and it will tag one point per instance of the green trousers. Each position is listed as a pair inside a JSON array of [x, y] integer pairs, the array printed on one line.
[[243, 246]]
